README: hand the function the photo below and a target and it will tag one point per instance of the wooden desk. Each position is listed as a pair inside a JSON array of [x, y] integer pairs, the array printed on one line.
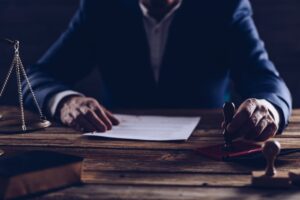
[[116, 169]]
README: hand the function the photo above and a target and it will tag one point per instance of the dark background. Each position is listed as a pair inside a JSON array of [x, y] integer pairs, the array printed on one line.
[[37, 24]]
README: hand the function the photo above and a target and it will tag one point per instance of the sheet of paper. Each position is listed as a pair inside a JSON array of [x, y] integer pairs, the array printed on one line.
[[152, 128]]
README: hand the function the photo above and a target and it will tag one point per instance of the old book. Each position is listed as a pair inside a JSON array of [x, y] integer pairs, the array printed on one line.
[[37, 171]]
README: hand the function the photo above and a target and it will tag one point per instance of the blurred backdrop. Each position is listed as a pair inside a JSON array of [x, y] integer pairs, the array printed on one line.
[[37, 24]]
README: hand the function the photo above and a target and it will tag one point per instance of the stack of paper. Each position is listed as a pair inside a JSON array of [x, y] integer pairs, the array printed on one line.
[[153, 128]]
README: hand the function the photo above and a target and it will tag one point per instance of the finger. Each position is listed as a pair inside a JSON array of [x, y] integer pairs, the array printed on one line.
[[242, 116], [102, 115], [250, 128], [84, 124], [261, 126], [100, 111], [112, 118], [95, 121], [268, 132]]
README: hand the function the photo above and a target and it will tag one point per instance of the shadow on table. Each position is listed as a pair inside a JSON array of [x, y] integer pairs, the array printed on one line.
[[257, 160]]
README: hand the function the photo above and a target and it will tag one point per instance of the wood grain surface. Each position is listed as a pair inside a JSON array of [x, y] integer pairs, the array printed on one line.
[[119, 169]]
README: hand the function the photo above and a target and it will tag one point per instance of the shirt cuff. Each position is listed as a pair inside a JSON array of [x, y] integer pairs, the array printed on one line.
[[273, 111], [56, 99]]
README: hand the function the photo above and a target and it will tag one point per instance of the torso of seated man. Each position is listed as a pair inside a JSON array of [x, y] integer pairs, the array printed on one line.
[[159, 8], [205, 43]]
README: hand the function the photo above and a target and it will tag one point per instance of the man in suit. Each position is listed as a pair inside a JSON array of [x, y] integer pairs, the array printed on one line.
[[163, 54]]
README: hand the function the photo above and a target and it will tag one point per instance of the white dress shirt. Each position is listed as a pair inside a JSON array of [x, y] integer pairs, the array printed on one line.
[[157, 35]]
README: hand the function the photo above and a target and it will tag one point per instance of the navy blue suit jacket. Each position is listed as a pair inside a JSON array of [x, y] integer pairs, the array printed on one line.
[[210, 42]]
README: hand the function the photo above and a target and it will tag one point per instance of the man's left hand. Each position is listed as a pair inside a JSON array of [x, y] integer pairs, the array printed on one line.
[[254, 120]]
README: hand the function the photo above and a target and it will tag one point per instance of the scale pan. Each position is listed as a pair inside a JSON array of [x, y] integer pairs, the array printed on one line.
[[13, 125]]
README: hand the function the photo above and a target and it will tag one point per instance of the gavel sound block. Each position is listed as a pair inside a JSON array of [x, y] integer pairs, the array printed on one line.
[[270, 178]]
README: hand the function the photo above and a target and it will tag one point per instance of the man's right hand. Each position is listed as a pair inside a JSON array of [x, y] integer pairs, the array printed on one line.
[[85, 114]]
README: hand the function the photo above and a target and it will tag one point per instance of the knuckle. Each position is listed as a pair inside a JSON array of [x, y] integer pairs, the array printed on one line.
[[77, 100], [254, 101], [263, 108], [251, 101], [89, 102]]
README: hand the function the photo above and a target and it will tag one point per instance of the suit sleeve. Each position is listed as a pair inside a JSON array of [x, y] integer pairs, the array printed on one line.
[[253, 74], [69, 59]]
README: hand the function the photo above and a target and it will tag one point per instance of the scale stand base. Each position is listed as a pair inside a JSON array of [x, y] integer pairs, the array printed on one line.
[[15, 126]]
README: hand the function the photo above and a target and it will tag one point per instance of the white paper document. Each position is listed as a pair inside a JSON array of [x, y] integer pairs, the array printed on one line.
[[152, 128]]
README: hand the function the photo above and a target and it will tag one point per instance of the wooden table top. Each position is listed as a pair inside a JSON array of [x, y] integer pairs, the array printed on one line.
[[119, 169]]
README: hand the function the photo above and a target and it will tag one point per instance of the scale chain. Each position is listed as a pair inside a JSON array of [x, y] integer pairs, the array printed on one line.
[[30, 88], [8, 76], [20, 95]]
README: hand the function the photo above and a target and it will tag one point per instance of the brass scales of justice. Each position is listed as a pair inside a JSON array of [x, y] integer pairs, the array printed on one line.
[[15, 122]]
